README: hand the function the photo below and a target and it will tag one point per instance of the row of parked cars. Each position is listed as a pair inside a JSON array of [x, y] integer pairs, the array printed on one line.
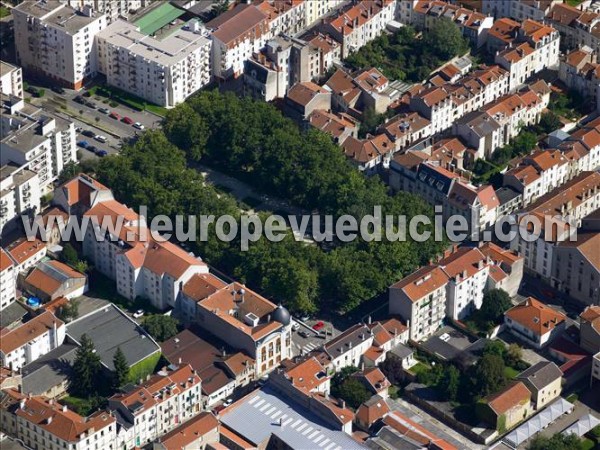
[[112, 114], [91, 148]]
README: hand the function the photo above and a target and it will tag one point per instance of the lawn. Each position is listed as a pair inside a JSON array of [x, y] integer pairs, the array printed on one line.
[[4, 12], [587, 444], [510, 372], [574, 2], [572, 398], [144, 367], [127, 99], [420, 367]]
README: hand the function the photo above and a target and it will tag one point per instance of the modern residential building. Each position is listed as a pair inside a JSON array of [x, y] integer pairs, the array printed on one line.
[[535, 323], [114, 9], [52, 279], [19, 194], [11, 80], [35, 140], [56, 41], [544, 380], [156, 406], [236, 35], [45, 423], [241, 318], [360, 23], [142, 263], [8, 280], [27, 342], [163, 66], [518, 9]]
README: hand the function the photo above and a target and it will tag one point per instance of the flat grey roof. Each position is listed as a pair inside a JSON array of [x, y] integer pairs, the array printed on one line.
[[11, 314], [109, 328], [6, 68], [48, 371], [263, 413], [58, 15]]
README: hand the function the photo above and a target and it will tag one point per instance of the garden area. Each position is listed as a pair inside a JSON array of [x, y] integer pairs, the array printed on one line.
[[113, 96], [407, 56]]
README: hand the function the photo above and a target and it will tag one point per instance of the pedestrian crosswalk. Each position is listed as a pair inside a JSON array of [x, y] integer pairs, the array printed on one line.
[[309, 347]]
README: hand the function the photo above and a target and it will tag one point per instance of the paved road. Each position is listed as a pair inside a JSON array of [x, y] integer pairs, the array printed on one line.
[[433, 425]]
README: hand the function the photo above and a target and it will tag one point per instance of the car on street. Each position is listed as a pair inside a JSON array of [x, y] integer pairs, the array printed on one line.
[[138, 125], [114, 115], [83, 144], [101, 153], [104, 110], [317, 326], [91, 105], [100, 138], [139, 313], [58, 89], [303, 333], [295, 326], [79, 99], [91, 148], [88, 133], [127, 120]]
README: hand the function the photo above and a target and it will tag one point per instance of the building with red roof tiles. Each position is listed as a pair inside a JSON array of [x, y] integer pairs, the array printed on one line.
[[577, 26], [589, 329], [370, 153], [304, 98], [519, 9], [534, 322], [309, 375], [360, 23], [26, 253], [506, 271], [45, 423], [406, 129], [339, 126], [580, 71], [8, 279], [167, 399], [413, 433], [29, 341], [371, 411], [80, 194], [195, 434], [374, 380], [505, 409], [284, 16], [52, 279]]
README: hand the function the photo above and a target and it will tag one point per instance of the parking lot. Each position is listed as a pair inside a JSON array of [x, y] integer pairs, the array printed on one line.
[[306, 339]]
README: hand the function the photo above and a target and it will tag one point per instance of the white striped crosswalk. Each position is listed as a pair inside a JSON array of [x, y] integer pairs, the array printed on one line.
[[309, 347]]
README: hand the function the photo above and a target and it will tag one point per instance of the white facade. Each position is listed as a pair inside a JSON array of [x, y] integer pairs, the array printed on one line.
[[19, 194], [8, 280], [315, 9], [11, 80], [30, 341], [164, 72], [57, 41], [596, 368], [517, 9], [114, 9], [37, 141]]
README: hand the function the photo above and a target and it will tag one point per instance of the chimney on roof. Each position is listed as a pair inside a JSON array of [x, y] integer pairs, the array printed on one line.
[[179, 360], [342, 403], [65, 408]]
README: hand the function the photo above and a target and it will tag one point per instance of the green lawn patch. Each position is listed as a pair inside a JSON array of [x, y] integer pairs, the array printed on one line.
[[574, 2], [127, 99], [420, 367], [4, 12], [587, 444], [510, 372]]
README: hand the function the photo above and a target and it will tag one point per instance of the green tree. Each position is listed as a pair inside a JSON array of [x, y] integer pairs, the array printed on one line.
[[445, 39], [69, 255], [370, 122], [549, 122], [451, 383], [557, 442], [69, 311], [488, 375], [81, 266], [160, 327], [86, 369], [514, 355], [495, 303], [494, 348], [353, 392], [392, 369], [121, 374]]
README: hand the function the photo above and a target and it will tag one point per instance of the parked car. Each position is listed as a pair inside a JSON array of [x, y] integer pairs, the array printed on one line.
[[91, 105], [87, 94], [91, 148], [101, 153], [58, 89], [104, 110], [317, 326], [100, 138], [295, 326], [88, 133], [139, 313], [79, 99], [114, 115], [127, 120], [303, 333], [138, 125], [83, 144], [227, 402]]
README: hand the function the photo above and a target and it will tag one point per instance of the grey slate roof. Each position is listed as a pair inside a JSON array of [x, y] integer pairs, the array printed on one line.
[[48, 371], [541, 374], [11, 314], [263, 413], [109, 328]]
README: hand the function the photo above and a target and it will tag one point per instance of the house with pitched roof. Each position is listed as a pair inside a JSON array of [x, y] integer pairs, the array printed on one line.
[[506, 271], [534, 322], [78, 195], [50, 280], [370, 412], [370, 153], [577, 26], [518, 9], [544, 380], [26, 253], [580, 71], [195, 434], [505, 409], [304, 98], [339, 126], [374, 380]]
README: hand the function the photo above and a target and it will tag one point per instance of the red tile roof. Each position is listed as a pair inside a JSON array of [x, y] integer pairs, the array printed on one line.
[[11, 340], [514, 395], [536, 316]]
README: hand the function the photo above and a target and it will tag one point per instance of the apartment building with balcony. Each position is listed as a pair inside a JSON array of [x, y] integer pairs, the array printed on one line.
[[56, 41], [11, 80], [164, 69], [27, 342], [360, 23], [156, 406], [518, 9], [315, 9], [8, 280], [578, 27], [114, 9], [19, 194], [286, 17], [37, 141], [580, 71]]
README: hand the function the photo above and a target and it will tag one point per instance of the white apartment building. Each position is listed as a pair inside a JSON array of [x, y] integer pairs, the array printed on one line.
[[11, 80], [315, 9], [236, 35], [536, 47], [44, 423], [348, 348], [19, 194], [518, 9], [114, 9], [572, 202], [286, 17], [580, 71], [141, 262], [583, 148], [156, 406], [56, 41], [577, 27], [164, 71], [420, 299], [37, 141], [596, 368], [538, 174], [360, 24], [30, 341], [8, 280]]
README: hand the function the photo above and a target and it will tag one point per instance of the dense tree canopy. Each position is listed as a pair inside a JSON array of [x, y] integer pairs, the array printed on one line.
[[495, 303], [121, 374], [86, 369], [488, 375], [160, 327], [557, 442]]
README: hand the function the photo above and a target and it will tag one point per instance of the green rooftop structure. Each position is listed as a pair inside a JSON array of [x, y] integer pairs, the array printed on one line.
[[158, 18]]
